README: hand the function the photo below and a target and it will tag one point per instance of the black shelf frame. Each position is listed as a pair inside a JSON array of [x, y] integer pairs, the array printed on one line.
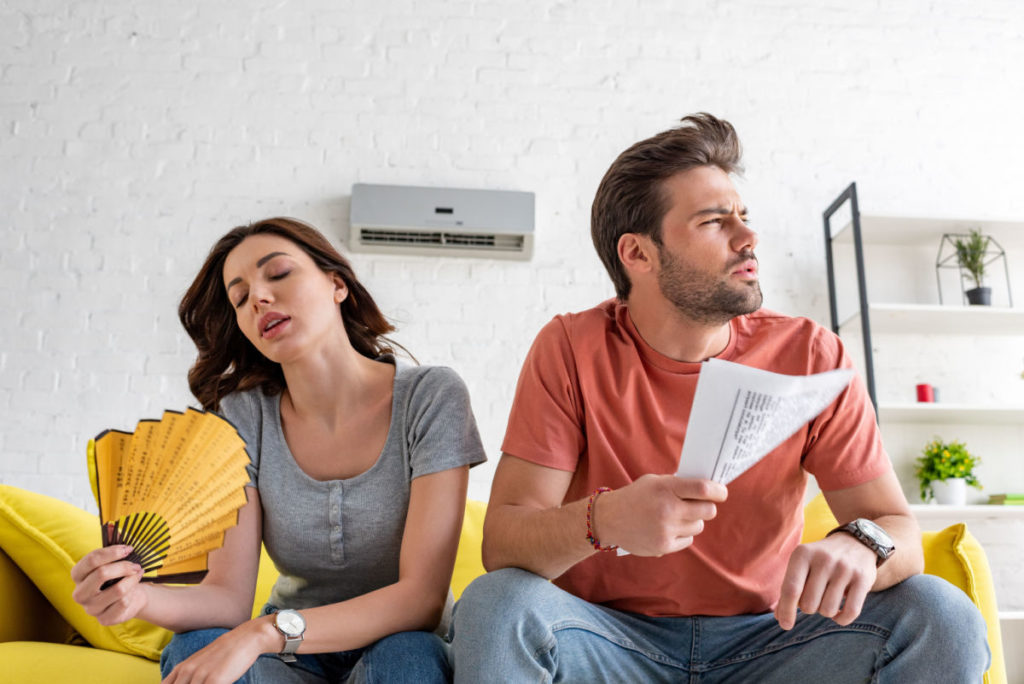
[[850, 195]]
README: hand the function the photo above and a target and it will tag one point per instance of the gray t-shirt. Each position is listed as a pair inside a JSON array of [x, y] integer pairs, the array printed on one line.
[[337, 539]]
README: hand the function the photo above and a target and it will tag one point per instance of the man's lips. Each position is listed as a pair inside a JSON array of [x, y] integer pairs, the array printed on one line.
[[747, 268], [271, 323]]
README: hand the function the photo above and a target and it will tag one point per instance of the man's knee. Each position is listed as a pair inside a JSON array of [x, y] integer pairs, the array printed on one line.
[[938, 612], [500, 595]]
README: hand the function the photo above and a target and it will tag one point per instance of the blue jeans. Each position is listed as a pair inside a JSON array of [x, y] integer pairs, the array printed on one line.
[[514, 626], [402, 657]]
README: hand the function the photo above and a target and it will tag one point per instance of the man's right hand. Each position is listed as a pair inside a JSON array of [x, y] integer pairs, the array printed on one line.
[[656, 514]]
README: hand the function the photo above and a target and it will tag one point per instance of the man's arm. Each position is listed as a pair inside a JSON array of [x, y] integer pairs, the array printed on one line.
[[528, 527], [822, 575]]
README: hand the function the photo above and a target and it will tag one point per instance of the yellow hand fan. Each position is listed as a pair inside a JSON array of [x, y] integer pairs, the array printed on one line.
[[169, 490]]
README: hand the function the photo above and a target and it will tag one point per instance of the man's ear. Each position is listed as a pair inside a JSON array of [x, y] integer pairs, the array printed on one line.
[[340, 289], [637, 253]]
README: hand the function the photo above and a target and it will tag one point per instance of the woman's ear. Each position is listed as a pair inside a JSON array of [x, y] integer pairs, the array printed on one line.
[[340, 289]]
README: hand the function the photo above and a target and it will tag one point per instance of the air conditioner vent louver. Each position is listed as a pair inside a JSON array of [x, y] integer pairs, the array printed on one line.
[[441, 221], [481, 241], [398, 237]]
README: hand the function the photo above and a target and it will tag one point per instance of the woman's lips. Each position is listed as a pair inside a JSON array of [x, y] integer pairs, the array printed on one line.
[[271, 324]]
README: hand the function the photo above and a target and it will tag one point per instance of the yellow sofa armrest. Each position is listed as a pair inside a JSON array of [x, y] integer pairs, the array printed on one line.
[[27, 615]]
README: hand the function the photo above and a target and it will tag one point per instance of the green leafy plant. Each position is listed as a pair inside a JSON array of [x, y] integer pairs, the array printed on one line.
[[970, 253], [944, 461]]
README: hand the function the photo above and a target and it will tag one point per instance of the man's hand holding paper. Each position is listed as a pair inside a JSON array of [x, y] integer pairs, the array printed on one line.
[[658, 514]]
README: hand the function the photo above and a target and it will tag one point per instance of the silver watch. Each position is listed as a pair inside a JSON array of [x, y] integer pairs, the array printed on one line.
[[292, 625], [870, 535]]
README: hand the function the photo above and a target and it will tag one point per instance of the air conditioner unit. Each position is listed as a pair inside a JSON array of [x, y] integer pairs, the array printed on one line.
[[405, 219]]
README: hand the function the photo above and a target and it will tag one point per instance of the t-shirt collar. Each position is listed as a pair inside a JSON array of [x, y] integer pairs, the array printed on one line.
[[656, 358]]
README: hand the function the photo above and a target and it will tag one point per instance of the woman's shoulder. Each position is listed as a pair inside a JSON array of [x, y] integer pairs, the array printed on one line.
[[428, 379], [246, 409]]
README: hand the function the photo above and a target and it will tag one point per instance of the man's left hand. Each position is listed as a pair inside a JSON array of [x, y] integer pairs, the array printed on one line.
[[830, 577]]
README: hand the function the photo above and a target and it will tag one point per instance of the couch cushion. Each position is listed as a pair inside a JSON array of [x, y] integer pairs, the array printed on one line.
[[468, 562], [46, 537], [33, 661]]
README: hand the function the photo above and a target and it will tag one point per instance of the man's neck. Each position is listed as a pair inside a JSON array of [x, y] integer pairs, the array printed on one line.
[[672, 334]]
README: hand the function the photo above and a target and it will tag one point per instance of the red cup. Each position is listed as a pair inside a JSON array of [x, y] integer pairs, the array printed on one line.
[[925, 393]]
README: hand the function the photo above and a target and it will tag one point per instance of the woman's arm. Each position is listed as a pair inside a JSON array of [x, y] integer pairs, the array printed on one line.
[[223, 599], [416, 601]]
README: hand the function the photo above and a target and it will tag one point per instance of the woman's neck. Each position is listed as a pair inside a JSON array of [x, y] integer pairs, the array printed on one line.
[[330, 385]]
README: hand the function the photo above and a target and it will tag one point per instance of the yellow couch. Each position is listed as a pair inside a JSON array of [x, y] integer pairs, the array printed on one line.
[[46, 637]]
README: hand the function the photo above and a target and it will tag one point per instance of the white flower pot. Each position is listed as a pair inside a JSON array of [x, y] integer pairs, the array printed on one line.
[[952, 492]]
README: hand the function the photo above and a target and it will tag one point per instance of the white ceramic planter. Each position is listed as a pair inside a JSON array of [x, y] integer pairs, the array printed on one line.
[[952, 492]]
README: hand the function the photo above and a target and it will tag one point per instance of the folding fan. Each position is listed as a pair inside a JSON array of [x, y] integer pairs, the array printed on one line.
[[169, 490]]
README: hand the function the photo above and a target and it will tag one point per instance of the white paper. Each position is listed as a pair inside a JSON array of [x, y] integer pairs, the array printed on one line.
[[740, 414]]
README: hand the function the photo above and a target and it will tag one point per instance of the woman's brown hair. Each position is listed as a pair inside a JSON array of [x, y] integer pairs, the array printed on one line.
[[227, 361]]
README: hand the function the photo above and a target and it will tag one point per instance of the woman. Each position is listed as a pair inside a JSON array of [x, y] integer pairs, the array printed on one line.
[[358, 479]]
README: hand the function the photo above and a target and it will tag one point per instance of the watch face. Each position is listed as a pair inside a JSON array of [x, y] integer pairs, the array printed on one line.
[[874, 532], [290, 622]]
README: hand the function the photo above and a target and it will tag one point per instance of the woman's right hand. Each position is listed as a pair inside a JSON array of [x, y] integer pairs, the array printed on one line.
[[118, 602]]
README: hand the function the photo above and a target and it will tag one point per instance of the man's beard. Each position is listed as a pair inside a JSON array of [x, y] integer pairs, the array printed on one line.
[[702, 297]]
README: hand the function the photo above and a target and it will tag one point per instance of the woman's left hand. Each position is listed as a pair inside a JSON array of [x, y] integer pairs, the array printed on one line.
[[229, 656]]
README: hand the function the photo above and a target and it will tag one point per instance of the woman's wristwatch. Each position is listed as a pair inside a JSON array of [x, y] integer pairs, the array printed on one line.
[[292, 625]]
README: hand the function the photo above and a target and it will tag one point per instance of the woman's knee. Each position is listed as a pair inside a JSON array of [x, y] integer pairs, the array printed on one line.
[[184, 645], [404, 657]]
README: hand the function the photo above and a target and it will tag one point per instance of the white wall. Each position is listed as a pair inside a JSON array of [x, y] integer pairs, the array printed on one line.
[[132, 134]]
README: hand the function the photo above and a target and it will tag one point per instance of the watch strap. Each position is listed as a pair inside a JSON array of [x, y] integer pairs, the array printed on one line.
[[291, 645], [882, 553]]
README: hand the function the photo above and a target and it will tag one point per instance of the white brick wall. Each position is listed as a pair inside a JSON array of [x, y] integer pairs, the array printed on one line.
[[132, 134]]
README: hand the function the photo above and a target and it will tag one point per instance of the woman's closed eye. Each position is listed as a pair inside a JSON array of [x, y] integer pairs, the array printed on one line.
[[272, 277]]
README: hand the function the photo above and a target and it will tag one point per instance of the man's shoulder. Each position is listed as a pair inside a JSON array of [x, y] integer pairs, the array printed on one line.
[[789, 336], [604, 316], [767, 320]]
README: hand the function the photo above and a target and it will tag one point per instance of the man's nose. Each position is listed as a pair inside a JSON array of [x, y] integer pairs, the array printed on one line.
[[744, 237]]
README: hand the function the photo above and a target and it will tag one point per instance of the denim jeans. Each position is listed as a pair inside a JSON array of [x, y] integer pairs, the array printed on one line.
[[513, 626], [402, 657]]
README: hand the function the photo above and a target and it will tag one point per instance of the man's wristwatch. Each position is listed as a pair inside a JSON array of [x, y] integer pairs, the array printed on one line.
[[870, 535], [292, 625]]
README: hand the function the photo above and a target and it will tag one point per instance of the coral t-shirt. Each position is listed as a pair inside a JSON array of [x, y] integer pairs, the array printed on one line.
[[596, 400]]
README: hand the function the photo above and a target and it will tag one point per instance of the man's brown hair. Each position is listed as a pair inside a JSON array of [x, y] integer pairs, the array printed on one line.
[[631, 197]]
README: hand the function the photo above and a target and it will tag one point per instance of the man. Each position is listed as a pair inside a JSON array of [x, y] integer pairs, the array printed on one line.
[[717, 586]]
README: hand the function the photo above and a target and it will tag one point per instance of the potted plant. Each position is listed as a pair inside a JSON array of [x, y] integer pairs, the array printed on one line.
[[944, 471], [970, 254]]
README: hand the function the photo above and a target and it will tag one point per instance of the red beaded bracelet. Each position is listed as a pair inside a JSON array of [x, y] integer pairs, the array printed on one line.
[[591, 537]]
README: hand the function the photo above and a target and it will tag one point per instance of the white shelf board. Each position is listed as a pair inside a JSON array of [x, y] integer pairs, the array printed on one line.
[[940, 319], [914, 230], [971, 513], [950, 413]]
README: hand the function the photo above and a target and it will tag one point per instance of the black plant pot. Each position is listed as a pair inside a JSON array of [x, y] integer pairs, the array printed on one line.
[[980, 296]]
